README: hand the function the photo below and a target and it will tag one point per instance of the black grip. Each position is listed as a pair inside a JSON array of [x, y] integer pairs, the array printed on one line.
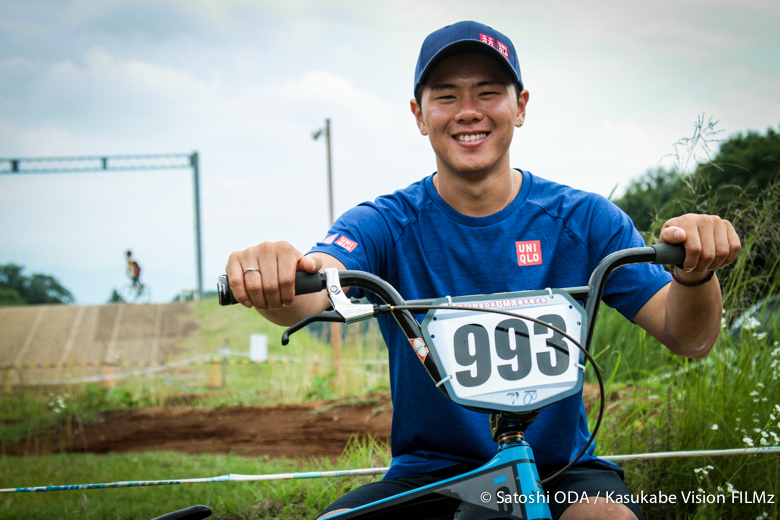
[[305, 283], [669, 254]]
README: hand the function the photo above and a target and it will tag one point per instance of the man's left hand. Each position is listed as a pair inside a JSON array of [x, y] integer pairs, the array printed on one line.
[[710, 243]]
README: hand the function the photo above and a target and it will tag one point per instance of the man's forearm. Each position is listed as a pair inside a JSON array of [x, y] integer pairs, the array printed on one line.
[[693, 318]]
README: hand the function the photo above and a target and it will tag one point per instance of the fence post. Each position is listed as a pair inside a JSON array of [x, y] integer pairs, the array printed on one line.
[[7, 387], [225, 351]]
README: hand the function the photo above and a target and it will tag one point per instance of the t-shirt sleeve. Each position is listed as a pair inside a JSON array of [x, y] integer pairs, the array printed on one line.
[[629, 287], [361, 239]]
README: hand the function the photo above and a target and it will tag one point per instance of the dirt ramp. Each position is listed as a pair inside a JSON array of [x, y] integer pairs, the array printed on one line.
[[71, 337]]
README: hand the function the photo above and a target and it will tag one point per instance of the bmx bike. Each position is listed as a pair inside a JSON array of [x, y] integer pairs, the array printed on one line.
[[136, 294], [506, 355]]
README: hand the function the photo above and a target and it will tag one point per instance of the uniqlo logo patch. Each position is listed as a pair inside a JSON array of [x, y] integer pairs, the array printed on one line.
[[330, 239], [529, 252], [346, 243], [484, 38], [503, 49]]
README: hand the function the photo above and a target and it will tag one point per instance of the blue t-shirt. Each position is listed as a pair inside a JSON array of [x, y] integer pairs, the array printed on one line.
[[426, 249]]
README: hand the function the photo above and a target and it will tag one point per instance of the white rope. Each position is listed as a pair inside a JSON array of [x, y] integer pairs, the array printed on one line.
[[699, 453], [368, 471]]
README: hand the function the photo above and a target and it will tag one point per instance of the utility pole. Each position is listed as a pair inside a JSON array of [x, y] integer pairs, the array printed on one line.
[[335, 328]]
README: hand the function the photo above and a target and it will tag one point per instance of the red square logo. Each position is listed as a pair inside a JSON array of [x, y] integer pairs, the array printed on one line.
[[503, 49], [346, 243], [484, 38], [330, 239], [529, 252]]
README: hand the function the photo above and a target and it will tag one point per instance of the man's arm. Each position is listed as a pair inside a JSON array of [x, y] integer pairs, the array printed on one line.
[[269, 285], [687, 318]]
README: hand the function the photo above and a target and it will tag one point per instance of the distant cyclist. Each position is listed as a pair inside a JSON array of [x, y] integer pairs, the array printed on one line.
[[134, 271]]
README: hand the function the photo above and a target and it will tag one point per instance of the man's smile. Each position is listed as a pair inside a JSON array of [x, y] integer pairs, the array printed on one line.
[[471, 137]]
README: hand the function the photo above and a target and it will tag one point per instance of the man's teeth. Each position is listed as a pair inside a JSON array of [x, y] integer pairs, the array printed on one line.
[[471, 137]]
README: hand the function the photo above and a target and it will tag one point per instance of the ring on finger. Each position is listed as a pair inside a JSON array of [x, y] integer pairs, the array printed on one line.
[[251, 269]]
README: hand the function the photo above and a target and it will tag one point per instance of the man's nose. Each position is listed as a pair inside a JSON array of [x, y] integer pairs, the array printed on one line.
[[468, 110]]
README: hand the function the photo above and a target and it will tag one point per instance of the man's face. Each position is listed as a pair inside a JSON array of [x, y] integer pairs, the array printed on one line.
[[469, 110]]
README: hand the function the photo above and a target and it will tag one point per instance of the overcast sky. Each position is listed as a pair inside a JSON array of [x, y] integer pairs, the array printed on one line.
[[613, 85]]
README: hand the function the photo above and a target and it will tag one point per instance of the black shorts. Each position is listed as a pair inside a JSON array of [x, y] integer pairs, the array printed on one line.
[[592, 479]]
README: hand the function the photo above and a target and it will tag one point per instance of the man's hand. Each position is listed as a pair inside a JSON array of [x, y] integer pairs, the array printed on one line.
[[270, 281], [263, 277], [710, 243]]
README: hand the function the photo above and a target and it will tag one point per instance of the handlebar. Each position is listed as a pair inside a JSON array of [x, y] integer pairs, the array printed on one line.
[[590, 295], [307, 283]]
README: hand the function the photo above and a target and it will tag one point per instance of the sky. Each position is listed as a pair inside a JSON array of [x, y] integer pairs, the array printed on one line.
[[613, 85]]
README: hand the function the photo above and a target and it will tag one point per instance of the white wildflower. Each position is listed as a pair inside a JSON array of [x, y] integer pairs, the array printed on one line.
[[714, 426], [748, 441]]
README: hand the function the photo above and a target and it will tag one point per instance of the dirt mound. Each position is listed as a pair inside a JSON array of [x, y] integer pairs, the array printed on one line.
[[320, 428], [294, 430]]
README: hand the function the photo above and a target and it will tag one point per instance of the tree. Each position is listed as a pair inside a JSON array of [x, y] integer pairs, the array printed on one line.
[[743, 169], [37, 288]]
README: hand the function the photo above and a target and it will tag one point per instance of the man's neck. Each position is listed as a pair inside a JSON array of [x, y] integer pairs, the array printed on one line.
[[478, 195]]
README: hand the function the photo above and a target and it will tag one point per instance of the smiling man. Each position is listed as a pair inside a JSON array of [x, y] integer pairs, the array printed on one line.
[[470, 228]]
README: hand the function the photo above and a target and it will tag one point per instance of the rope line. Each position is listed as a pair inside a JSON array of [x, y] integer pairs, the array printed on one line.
[[764, 450]]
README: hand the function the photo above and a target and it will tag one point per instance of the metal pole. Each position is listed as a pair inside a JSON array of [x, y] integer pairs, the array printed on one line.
[[335, 328], [196, 204], [330, 172]]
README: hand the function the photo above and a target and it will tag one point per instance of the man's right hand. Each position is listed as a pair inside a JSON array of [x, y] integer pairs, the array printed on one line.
[[271, 286]]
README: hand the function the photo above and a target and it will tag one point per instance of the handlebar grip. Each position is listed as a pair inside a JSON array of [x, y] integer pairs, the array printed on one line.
[[669, 254], [305, 283]]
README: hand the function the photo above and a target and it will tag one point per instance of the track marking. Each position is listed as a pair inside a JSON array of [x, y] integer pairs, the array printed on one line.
[[71, 340]]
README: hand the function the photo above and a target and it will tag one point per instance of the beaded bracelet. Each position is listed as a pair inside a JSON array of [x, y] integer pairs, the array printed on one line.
[[693, 284]]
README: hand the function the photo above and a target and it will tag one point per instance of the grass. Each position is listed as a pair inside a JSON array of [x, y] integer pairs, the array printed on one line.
[[284, 499]]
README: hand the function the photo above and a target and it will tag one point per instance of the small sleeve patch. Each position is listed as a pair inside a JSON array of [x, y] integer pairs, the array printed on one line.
[[346, 243]]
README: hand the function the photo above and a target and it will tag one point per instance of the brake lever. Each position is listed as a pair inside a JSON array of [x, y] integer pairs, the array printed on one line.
[[332, 316], [344, 311]]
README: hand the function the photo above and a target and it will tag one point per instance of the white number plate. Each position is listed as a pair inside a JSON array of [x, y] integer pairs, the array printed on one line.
[[498, 362]]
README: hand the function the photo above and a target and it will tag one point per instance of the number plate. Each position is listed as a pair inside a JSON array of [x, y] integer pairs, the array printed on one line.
[[497, 362]]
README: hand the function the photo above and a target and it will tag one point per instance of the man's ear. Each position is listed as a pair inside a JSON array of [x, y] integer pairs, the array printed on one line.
[[522, 102], [417, 111]]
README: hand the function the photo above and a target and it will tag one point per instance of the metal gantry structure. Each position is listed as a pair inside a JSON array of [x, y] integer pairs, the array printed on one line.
[[171, 161]]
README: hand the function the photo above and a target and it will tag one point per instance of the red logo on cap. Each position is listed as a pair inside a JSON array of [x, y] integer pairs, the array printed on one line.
[[503, 49], [484, 38]]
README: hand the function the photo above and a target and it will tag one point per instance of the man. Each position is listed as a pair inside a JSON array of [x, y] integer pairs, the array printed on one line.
[[459, 232], [133, 271]]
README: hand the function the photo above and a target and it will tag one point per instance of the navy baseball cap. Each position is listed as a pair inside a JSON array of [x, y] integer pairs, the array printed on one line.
[[465, 37]]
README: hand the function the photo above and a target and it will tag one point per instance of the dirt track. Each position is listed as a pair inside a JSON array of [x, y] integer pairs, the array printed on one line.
[[297, 430], [320, 428]]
